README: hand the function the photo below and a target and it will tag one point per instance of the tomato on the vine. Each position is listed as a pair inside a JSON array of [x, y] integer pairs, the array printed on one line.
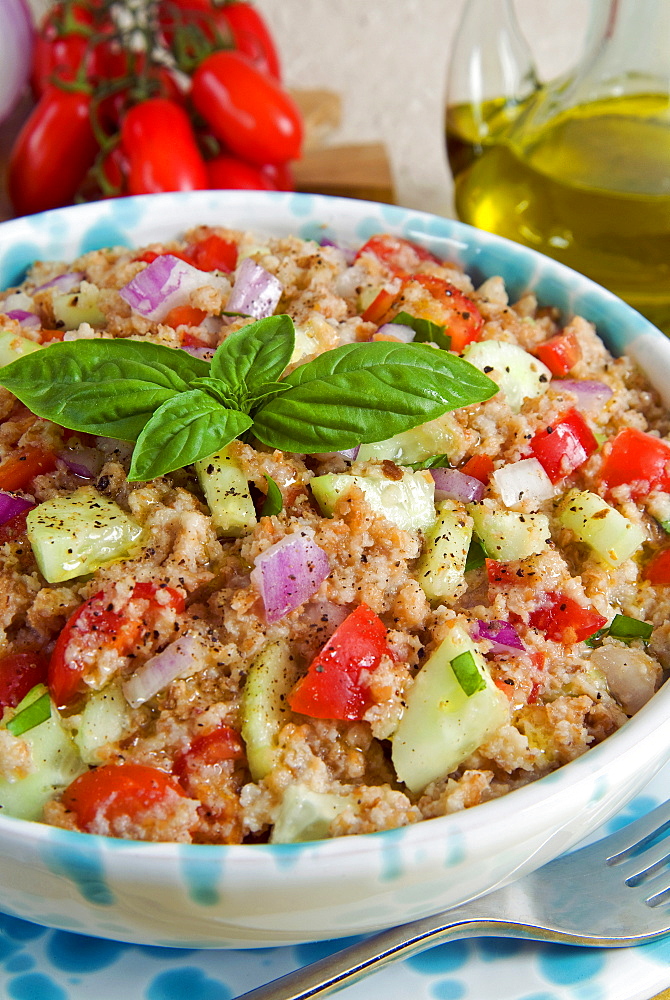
[[246, 110], [157, 139], [251, 36], [53, 153], [227, 171]]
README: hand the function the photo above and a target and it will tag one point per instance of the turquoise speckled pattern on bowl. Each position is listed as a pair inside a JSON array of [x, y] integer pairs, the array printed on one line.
[[201, 896]]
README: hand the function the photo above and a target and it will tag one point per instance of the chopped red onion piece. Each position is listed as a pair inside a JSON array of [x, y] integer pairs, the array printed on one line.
[[452, 484], [205, 353], [25, 318], [350, 454], [288, 573], [348, 252], [83, 462], [165, 283], [524, 481], [256, 292], [63, 282], [11, 505], [590, 395], [503, 637], [160, 670], [398, 330]]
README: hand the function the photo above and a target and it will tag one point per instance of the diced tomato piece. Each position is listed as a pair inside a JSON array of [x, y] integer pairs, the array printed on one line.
[[223, 743], [400, 256], [562, 619], [184, 316], [213, 253], [657, 570], [19, 673], [335, 686], [500, 575], [379, 306], [116, 791], [560, 353], [48, 336], [479, 467], [638, 460], [18, 471], [564, 446], [464, 323], [149, 256], [95, 625], [13, 528]]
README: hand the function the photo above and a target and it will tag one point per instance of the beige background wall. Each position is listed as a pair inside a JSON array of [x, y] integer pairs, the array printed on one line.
[[387, 59]]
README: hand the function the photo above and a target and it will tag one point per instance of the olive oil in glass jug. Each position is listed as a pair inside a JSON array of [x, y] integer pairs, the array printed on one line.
[[581, 170]]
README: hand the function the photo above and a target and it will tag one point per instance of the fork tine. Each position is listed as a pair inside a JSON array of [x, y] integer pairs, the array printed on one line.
[[641, 867], [633, 838]]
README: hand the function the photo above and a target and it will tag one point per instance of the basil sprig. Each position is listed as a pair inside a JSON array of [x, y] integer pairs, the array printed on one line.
[[179, 409]]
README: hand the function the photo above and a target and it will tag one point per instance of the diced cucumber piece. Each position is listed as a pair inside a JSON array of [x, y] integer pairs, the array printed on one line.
[[436, 437], [13, 346], [56, 763], [227, 493], [104, 720], [264, 707], [306, 815], [612, 536], [441, 724], [408, 502], [74, 308], [441, 568], [509, 534], [76, 534], [518, 373]]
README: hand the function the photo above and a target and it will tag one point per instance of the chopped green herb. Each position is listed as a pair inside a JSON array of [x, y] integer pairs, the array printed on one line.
[[467, 674], [425, 331], [273, 499], [624, 629], [31, 716], [476, 556]]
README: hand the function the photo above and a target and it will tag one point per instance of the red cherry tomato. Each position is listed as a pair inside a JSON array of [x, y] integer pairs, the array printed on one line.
[[657, 570], [249, 112], [463, 320], [251, 35], [564, 446], [560, 353], [108, 795], [333, 687], [230, 172], [18, 471], [562, 619], [212, 253], [60, 58], [53, 153], [19, 673], [479, 467], [162, 152]]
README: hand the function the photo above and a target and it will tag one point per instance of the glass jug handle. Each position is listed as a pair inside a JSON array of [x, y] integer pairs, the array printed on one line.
[[491, 75]]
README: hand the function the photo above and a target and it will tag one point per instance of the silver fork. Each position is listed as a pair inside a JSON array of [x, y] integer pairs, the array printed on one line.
[[611, 894]]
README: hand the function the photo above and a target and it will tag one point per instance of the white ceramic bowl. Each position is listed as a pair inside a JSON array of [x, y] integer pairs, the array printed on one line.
[[253, 896]]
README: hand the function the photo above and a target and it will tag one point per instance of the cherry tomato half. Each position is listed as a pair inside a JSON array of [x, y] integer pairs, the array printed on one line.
[[18, 471], [246, 110], [19, 673], [562, 619], [639, 460], [116, 792]]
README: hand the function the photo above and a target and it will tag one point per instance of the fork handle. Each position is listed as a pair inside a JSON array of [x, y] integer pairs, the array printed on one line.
[[348, 965]]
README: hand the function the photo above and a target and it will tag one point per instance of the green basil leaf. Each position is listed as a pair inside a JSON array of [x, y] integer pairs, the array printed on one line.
[[360, 393], [273, 498], [255, 354], [32, 715], [476, 556], [425, 331], [107, 387], [467, 673], [186, 428]]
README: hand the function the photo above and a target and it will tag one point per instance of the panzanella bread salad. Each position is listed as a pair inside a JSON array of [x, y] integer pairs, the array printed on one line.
[[301, 541]]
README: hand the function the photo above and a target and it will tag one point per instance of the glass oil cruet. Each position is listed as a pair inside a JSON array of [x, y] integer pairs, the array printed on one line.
[[580, 170]]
